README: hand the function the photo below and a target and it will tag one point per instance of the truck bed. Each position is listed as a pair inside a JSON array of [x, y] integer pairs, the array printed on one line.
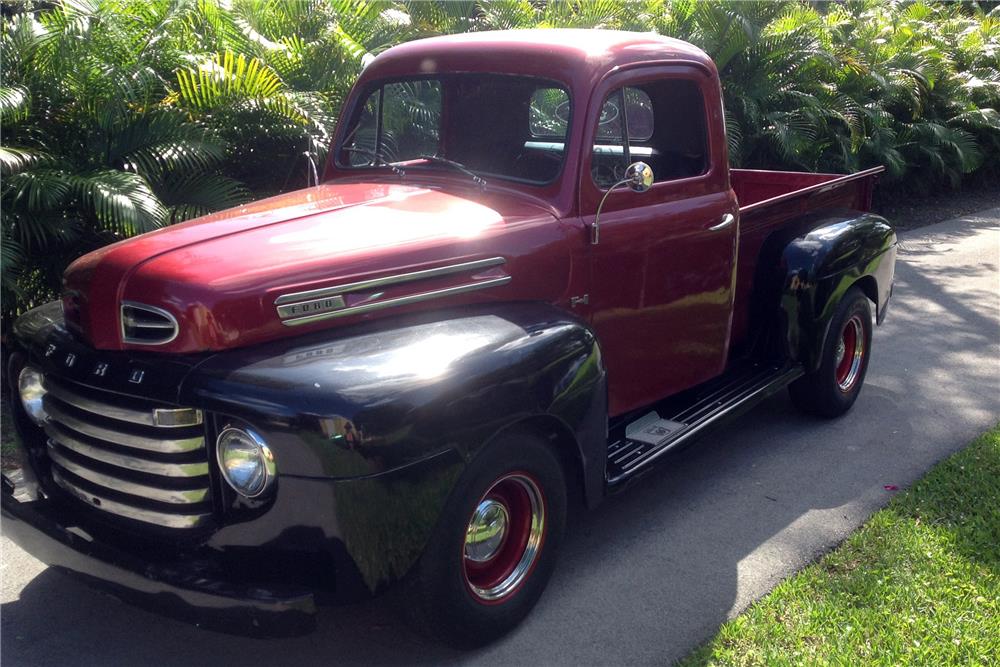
[[771, 199]]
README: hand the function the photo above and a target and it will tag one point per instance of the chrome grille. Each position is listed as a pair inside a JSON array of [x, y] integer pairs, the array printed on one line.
[[132, 458]]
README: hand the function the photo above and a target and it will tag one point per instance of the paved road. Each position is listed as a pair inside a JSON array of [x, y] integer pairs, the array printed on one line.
[[654, 571]]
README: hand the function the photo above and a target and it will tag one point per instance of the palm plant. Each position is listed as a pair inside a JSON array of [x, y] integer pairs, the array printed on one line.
[[91, 153], [272, 85]]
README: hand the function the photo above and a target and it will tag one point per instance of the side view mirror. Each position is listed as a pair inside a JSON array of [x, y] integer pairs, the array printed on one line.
[[638, 177]]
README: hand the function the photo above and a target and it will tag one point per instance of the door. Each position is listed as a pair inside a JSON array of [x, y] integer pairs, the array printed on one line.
[[662, 273]]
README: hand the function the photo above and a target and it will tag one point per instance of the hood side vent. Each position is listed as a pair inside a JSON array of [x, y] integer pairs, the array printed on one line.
[[147, 325]]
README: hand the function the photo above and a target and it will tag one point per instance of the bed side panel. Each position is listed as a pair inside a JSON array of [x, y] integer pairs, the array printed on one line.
[[760, 219]]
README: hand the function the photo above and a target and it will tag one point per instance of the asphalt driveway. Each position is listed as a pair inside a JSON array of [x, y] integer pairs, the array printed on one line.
[[653, 571]]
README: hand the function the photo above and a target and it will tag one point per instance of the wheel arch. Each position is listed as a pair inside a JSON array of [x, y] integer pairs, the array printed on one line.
[[564, 444]]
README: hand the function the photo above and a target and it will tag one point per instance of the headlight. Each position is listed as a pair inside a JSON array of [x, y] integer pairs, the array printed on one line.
[[31, 389], [245, 460]]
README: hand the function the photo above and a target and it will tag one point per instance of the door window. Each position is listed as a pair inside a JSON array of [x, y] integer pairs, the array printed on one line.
[[661, 123]]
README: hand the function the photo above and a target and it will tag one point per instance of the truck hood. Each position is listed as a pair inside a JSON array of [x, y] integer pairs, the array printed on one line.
[[325, 256]]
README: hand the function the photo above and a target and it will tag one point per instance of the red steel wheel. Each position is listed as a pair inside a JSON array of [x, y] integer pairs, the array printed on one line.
[[849, 354], [831, 389], [495, 543], [503, 538]]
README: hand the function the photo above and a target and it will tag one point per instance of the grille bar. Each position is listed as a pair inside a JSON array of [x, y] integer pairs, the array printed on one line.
[[116, 455], [161, 417], [67, 440], [168, 520], [123, 438], [175, 496]]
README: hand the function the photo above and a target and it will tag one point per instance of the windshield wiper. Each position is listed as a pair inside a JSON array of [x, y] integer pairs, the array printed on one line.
[[476, 178], [377, 159]]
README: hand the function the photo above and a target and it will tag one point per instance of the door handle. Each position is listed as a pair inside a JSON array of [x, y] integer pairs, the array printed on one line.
[[727, 220]]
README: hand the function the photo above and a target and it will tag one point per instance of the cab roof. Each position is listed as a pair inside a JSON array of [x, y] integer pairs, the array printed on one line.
[[570, 55]]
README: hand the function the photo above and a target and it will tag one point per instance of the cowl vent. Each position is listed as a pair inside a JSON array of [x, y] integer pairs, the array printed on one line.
[[147, 325]]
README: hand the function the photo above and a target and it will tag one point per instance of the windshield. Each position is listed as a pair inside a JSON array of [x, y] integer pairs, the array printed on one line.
[[509, 127]]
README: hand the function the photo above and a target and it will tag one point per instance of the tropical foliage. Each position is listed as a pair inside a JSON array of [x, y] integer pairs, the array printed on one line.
[[121, 116]]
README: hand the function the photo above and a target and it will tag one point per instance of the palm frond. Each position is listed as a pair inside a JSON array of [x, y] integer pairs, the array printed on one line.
[[14, 160], [192, 196], [121, 202], [164, 140], [224, 77], [15, 103]]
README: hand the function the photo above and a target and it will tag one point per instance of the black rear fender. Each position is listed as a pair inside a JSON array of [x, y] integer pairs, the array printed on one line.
[[821, 257]]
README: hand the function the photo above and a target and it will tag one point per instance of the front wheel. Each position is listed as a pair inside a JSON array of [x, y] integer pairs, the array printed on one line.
[[495, 544], [831, 390]]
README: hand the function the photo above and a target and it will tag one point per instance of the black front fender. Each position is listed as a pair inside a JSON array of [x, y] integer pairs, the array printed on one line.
[[369, 407]]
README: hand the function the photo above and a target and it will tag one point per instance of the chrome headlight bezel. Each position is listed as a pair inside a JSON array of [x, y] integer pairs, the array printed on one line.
[[242, 444], [31, 392]]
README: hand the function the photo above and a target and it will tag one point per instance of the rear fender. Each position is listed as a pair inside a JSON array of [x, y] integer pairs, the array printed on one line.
[[831, 253]]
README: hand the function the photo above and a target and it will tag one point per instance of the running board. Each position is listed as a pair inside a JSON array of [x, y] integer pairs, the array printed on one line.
[[637, 442]]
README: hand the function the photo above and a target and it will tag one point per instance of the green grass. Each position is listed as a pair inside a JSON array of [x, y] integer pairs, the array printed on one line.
[[919, 584], [7, 445]]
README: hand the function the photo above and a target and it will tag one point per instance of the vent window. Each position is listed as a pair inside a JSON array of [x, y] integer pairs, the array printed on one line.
[[147, 325]]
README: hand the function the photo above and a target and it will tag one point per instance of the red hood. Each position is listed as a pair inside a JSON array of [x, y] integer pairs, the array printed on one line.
[[221, 275]]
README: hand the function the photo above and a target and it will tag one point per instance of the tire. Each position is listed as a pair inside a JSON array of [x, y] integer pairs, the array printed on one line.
[[467, 591], [831, 390]]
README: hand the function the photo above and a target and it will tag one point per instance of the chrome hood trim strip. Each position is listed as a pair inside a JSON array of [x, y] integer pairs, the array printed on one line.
[[400, 301], [320, 304], [376, 283]]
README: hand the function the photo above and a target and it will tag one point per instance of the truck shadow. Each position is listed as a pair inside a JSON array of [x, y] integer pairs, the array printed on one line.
[[652, 571]]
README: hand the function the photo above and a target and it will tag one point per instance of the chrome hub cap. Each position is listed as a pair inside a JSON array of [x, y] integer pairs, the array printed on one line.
[[503, 538], [486, 531], [850, 352]]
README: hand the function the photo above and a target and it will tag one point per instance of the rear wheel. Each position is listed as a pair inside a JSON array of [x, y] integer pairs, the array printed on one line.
[[495, 544], [831, 390]]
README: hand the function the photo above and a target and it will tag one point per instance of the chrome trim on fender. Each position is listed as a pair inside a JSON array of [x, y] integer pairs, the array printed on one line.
[[376, 283], [166, 519], [399, 301]]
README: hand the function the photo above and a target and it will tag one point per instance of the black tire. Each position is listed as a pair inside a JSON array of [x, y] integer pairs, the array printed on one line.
[[441, 598], [831, 390]]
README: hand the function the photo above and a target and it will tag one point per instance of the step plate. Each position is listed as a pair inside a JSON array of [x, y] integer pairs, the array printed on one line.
[[645, 438]]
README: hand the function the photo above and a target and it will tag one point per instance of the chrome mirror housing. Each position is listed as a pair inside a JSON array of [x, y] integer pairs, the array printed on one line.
[[638, 177]]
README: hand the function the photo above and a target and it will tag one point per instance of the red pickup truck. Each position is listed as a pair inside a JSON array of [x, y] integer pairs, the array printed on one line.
[[527, 273]]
